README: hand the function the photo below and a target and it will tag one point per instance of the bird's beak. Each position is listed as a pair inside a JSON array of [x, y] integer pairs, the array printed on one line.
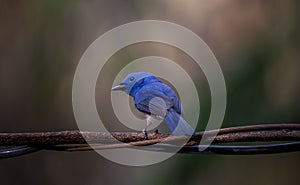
[[120, 87]]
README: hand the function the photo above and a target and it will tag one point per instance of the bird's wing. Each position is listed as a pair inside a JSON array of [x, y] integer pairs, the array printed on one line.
[[153, 104], [153, 100]]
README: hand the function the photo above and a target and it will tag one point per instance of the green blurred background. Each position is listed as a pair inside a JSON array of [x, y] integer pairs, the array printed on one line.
[[41, 42]]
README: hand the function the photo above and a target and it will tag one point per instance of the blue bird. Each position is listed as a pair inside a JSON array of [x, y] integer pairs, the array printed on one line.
[[156, 100]]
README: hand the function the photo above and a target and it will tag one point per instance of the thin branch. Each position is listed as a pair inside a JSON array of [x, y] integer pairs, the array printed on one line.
[[71, 137], [232, 134], [287, 134], [253, 136]]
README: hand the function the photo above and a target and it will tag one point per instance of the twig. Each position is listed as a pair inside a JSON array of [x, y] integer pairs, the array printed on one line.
[[70, 137], [232, 134], [285, 133], [223, 138]]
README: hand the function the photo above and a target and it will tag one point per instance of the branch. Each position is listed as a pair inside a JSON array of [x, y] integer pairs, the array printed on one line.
[[224, 138], [266, 132], [32, 142]]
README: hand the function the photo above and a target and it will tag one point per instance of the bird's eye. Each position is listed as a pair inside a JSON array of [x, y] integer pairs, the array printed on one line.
[[131, 78]]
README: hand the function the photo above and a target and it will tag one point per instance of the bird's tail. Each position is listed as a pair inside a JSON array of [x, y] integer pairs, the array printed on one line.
[[177, 124]]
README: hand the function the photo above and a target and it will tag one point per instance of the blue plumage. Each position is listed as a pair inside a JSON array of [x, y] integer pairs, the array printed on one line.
[[157, 99]]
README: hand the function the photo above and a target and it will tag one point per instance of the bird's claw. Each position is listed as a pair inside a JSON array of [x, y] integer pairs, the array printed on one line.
[[145, 133]]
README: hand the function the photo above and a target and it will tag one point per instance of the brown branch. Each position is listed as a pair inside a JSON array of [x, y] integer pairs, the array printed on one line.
[[266, 132], [253, 136], [282, 126], [280, 135], [70, 137]]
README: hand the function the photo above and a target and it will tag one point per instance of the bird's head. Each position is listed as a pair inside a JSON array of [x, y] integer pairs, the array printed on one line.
[[130, 80]]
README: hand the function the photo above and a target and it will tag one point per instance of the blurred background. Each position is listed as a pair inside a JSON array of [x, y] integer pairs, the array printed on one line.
[[41, 42]]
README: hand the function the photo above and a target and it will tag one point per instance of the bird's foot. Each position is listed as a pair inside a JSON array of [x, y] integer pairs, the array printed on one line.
[[145, 133]]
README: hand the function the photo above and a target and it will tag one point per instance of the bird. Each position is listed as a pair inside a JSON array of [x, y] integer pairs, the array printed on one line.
[[156, 100]]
